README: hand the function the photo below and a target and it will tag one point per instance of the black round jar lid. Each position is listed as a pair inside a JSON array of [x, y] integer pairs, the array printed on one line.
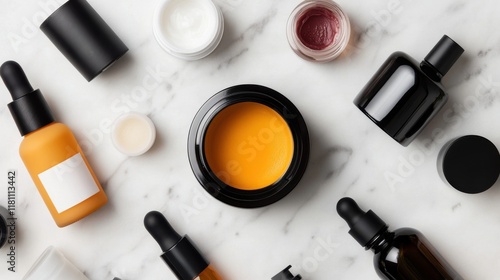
[[471, 164]]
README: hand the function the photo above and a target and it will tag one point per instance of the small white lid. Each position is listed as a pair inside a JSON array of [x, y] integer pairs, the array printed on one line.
[[133, 134]]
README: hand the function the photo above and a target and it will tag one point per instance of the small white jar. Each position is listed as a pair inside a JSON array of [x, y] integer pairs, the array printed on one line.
[[188, 29], [133, 134]]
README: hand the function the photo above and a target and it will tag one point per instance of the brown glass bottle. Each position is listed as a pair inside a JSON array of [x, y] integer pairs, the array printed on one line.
[[404, 254]]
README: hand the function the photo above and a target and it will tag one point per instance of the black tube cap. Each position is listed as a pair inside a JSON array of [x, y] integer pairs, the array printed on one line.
[[285, 274], [29, 109], [364, 226], [444, 54], [470, 164], [84, 38]]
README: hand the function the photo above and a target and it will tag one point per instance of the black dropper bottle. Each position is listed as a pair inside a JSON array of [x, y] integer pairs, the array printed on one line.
[[403, 254], [179, 253], [403, 96]]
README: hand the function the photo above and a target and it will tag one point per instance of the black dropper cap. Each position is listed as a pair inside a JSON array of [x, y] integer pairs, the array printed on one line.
[[29, 109], [179, 253], [364, 226], [285, 274], [441, 58]]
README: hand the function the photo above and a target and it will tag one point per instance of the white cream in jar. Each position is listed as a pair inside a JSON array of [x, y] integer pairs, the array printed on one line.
[[133, 134], [188, 29]]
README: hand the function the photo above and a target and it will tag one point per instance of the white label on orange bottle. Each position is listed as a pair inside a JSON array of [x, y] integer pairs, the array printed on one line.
[[69, 183]]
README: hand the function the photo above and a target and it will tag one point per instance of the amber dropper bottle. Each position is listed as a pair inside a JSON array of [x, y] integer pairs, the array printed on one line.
[[51, 154], [403, 254], [179, 253]]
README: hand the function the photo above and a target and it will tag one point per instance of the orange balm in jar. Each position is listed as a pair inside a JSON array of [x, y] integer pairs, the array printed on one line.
[[245, 139], [248, 146]]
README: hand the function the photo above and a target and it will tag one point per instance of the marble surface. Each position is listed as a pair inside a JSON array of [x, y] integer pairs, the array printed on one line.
[[350, 156]]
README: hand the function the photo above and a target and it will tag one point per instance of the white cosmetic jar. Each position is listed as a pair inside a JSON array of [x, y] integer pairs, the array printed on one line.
[[52, 265], [133, 134], [188, 29]]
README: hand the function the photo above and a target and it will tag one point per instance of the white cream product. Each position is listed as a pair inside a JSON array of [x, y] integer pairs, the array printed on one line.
[[188, 29], [133, 134]]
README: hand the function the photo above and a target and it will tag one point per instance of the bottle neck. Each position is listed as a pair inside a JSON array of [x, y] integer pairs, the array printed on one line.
[[31, 112], [431, 71], [379, 242]]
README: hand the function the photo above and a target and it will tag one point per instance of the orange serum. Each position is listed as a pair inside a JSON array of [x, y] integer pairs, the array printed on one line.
[[51, 153], [179, 253]]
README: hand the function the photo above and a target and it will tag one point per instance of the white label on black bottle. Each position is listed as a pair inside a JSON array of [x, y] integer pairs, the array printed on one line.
[[69, 183]]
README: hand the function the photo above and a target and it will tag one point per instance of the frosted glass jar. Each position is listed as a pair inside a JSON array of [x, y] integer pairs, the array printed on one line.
[[52, 265]]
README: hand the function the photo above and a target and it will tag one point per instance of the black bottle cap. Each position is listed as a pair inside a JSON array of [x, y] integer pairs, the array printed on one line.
[[470, 164], [29, 109], [84, 38], [179, 253], [285, 274], [364, 226], [444, 54]]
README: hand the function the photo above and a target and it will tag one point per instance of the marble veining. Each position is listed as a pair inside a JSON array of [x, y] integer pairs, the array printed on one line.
[[350, 156]]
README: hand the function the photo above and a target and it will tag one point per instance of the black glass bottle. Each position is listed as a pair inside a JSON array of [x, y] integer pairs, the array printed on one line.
[[402, 97], [403, 254]]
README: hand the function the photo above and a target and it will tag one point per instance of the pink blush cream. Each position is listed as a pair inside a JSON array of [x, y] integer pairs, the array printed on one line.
[[317, 28]]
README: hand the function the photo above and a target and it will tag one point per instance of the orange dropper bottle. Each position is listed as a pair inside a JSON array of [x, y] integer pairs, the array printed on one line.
[[51, 153], [179, 253]]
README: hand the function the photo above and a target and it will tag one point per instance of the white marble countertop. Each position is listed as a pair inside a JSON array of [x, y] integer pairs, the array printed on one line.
[[350, 156]]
